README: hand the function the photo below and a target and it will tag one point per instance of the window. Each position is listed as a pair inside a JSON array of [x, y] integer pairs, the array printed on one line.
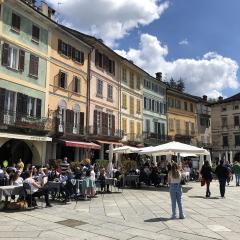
[[124, 125], [192, 128], [236, 120], [76, 85], [145, 103], [178, 104], [13, 57], [187, 128], [237, 140], [16, 22], [236, 107], [132, 131], [225, 141], [139, 129], [99, 87], [78, 56], [131, 84], [111, 66], [157, 107], [62, 79], [147, 125], [149, 104], [124, 75], [153, 105], [33, 66], [124, 101], [35, 33], [31, 106], [132, 105], [161, 108], [9, 102], [224, 109], [98, 59], [138, 106], [110, 92], [110, 124], [171, 127], [178, 126], [138, 82], [64, 48], [191, 107], [185, 106], [224, 122]]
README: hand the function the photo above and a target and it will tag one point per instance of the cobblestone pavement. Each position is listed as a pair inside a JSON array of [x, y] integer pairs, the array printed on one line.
[[135, 214]]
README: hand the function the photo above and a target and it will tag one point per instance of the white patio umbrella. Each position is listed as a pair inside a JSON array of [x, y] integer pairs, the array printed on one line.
[[125, 149], [173, 148]]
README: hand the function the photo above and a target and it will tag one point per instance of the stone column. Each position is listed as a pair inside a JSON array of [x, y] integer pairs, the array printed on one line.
[[155, 161], [102, 151]]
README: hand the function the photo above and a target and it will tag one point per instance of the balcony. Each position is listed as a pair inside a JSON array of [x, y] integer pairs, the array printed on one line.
[[10, 120], [186, 132], [133, 138], [154, 138], [69, 128], [100, 132]]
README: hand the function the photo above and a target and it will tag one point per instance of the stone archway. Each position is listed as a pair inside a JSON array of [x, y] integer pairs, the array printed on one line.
[[12, 150]]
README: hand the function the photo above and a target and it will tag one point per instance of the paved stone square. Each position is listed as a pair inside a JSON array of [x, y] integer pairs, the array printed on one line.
[[135, 214]]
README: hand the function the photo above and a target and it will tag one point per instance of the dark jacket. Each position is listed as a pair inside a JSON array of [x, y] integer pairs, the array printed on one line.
[[222, 172], [206, 173]]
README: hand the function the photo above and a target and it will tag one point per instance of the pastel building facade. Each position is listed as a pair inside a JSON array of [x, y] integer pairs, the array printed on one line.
[[131, 103], [154, 110], [24, 124]]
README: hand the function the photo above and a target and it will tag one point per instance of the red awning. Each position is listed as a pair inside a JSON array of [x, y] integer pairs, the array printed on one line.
[[88, 145], [110, 142]]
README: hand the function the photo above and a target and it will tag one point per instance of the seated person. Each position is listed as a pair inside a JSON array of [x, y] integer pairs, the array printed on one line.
[[36, 190], [66, 188], [16, 180]]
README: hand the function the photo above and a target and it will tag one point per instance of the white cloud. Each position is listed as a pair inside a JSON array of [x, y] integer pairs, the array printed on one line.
[[184, 42], [109, 19], [209, 75]]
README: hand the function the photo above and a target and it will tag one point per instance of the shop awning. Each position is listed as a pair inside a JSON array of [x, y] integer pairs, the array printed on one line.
[[110, 142], [26, 137], [88, 145]]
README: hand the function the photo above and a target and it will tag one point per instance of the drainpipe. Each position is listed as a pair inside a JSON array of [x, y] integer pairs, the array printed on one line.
[[88, 92]]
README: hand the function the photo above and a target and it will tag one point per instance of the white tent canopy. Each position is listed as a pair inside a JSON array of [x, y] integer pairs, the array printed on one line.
[[125, 149], [173, 148]]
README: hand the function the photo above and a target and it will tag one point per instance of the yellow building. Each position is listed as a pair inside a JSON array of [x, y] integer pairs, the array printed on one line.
[[131, 102], [182, 117], [68, 77]]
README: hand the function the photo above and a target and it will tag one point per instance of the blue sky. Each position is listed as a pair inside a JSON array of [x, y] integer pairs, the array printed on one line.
[[203, 26]]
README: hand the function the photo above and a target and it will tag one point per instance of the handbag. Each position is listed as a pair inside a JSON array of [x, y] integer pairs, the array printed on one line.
[[203, 182]]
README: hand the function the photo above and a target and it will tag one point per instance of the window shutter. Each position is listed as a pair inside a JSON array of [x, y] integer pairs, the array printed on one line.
[[73, 53], [113, 65], [35, 33], [16, 21], [21, 60], [106, 63], [39, 108], [81, 122], [95, 122], [5, 50], [36, 63], [69, 50], [59, 46], [68, 116], [113, 125], [96, 57], [82, 57], [105, 123], [2, 100], [33, 65]]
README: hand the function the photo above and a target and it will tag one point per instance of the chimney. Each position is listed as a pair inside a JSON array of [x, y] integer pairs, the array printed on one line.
[[204, 98], [159, 76], [46, 10], [220, 98]]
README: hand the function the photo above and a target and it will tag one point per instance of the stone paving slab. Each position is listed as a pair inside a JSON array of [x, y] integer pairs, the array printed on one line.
[[134, 214]]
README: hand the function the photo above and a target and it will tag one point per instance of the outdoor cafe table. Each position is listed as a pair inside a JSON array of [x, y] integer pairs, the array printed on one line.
[[10, 190]]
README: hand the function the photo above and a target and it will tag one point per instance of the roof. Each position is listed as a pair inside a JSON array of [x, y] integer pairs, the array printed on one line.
[[187, 95], [233, 98]]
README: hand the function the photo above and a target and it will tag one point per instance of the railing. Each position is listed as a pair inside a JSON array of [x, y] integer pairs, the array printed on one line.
[[185, 132], [133, 137], [20, 120], [69, 128], [151, 135], [106, 132]]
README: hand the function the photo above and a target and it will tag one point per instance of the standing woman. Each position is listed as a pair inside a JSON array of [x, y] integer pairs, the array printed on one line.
[[206, 173], [174, 180]]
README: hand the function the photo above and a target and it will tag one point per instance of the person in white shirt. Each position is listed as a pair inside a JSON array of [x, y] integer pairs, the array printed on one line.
[[16, 179], [36, 189], [174, 180]]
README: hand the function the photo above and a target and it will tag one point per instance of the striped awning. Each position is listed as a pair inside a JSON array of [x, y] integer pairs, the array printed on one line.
[[88, 145]]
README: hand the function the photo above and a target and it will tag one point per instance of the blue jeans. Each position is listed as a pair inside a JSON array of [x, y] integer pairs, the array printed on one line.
[[237, 176], [176, 198]]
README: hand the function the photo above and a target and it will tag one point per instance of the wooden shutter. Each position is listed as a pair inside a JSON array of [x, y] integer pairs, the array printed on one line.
[[131, 105], [95, 122], [39, 108], [69, 50], [2, 99], [82, 57], [35, 33], [113, 125], [81, 122], [105, 123], [124, 125], [73, 53], [106, 63], [5, 50], [21, 60], [16, 21], [33, 65], [96, 57], [59, 46], [22, 102]]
